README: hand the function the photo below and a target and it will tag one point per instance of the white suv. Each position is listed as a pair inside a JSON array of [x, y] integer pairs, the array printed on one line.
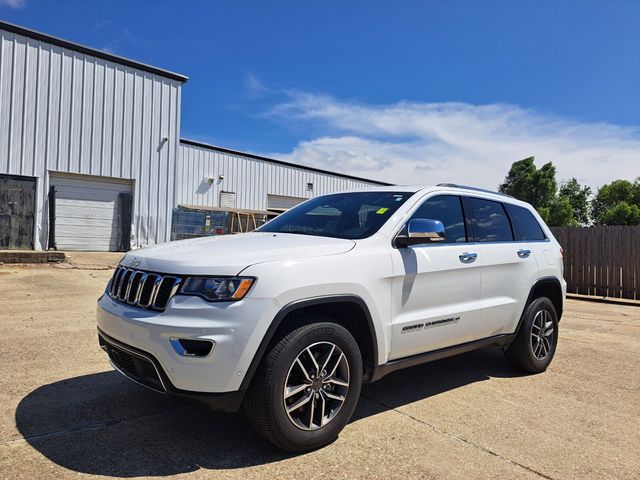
[[288, 321]]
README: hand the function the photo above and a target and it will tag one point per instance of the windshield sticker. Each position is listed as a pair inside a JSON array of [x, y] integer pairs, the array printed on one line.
[[382, 211]]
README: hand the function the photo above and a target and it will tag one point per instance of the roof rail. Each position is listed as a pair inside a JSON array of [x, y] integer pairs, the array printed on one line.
[[466, 187]]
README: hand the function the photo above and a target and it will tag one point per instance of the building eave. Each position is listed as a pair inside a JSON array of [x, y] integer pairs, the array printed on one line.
[[208, 146], [43, 37]]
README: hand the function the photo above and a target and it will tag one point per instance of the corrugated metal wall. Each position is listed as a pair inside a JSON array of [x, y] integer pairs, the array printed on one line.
[[65, 111], [251, 179]]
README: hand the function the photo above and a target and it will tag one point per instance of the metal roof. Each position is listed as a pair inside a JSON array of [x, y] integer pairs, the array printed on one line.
[[10, 27], [196, 143]]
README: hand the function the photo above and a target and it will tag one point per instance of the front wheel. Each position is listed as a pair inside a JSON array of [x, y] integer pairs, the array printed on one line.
[[535, 344], [306, 387]]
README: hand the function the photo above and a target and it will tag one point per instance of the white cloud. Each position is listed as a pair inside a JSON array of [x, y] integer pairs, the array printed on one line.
[[101, 25], [253, 84], [425, 143], [13, 3]]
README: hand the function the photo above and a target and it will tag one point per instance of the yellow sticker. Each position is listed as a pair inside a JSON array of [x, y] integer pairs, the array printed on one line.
[[381, 211]]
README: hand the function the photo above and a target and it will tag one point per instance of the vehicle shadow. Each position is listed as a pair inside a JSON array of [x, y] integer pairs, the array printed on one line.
[[103, 424]]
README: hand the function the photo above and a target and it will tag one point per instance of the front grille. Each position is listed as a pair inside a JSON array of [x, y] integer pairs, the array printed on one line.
[[135, 366], [143, 289]]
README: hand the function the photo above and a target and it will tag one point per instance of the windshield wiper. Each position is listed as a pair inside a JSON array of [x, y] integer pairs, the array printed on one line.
[[313, 234], [301, 232]]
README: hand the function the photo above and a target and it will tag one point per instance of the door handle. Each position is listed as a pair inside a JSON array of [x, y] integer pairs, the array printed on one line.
[[524, 252], [468, 257]]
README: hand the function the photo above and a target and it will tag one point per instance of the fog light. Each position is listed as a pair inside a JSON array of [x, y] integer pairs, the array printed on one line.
[[191, 348]]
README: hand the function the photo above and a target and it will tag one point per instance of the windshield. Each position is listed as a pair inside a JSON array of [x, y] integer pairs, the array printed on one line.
[[352, 215]]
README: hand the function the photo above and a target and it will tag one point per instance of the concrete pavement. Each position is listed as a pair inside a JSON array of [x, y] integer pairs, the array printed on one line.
[[66, 414]]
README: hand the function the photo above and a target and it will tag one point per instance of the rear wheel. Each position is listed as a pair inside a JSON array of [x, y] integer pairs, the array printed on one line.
[[535, 344], [306, 387]]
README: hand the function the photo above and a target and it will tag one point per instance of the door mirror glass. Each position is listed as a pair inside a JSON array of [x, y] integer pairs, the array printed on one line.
[[420, 231]]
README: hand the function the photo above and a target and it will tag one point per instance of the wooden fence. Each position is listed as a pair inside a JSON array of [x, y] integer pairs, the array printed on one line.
[[603, 261]]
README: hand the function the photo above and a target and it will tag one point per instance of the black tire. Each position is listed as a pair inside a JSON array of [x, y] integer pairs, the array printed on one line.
[[526, 351], [264, 404]]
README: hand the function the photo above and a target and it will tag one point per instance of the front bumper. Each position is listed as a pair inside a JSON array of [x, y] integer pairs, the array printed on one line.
[[145, 370], [235, 329]]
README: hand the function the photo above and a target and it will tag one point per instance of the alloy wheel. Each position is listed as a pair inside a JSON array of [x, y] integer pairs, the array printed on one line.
[[542, 332], [316, 386]]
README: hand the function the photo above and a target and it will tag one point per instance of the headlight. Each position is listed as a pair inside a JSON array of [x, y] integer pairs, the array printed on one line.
[[223, 289]]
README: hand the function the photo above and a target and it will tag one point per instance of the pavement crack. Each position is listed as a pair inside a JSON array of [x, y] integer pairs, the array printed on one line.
[[460, 438]]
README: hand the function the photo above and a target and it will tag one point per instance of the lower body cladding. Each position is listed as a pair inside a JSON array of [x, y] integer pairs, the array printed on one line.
[[145, 370], [192, 349]]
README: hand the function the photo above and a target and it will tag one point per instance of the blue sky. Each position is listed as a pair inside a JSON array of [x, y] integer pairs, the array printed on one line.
[[403, 91]]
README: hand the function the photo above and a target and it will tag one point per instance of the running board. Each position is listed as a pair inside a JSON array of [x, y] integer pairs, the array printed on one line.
[[400, 363]]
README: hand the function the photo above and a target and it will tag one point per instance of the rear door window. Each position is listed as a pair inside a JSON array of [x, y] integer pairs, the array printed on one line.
[[448, 210], [490, 221], [525, 224]]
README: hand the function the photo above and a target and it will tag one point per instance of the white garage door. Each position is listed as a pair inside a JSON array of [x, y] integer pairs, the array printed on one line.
[[280, 203], [88, 213]]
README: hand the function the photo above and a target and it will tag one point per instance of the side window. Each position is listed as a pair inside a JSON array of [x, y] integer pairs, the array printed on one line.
[[447, 209], [490, 221], [525, 224]]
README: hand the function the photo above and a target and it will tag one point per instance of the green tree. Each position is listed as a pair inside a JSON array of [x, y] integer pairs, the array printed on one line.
[[617, 203], [526, 182], [621, 214], [559, 213], [578, 197]]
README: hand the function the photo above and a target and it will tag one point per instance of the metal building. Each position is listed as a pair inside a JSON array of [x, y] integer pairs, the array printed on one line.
[[214, 176], [91, 125], [91, 156]]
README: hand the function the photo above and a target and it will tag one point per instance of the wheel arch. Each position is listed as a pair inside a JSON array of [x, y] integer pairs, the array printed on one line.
[[551, 288], [350, 311]]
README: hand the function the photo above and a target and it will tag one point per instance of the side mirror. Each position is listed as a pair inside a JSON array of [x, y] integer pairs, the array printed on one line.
[[421, 231]]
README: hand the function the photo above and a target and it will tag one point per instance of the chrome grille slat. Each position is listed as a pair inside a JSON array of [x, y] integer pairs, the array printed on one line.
[[119, 282], [132, 274], [147, 286], [116, 291], [143, 278], [165, 289], [154, 292], [132, 287], [124, 283], [115, 280], [176, 286]]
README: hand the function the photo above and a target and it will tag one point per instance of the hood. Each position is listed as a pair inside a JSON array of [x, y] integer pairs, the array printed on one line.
[[230, 254]]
